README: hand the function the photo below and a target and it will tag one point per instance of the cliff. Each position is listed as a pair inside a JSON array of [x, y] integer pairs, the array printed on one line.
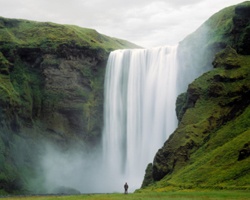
[[51, 90], [210, 147]]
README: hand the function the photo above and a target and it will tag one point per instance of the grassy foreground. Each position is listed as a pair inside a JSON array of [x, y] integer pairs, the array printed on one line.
[[180, 195]]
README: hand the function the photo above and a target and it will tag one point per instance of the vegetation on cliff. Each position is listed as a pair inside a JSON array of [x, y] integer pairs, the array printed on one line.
[[210, 147], [51, 89]]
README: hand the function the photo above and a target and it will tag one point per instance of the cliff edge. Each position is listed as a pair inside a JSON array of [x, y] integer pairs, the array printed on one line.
[[51, 91], [210, 147]]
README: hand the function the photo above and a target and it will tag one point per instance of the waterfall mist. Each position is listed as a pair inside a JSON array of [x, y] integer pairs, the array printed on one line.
[[72, 169], [141, 87]]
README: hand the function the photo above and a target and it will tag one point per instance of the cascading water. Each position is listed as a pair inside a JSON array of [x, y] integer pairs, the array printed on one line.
[[139, 110]]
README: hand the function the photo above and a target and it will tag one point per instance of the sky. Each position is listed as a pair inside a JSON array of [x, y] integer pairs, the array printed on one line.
[[147, 23]]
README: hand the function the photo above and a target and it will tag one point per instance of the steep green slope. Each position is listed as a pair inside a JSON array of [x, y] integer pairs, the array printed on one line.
[[51, 90], [49, 36], [210, 147]]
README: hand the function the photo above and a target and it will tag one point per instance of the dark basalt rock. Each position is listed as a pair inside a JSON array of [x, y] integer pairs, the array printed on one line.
[[194, 129], [51, 91], [244, 152], [241, 29], [148, 178]]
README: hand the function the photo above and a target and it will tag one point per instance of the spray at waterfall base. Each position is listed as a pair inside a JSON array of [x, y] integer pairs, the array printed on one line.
[[141, 87]]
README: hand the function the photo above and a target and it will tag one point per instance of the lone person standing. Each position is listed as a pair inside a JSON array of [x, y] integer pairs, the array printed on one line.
[[126, 188]]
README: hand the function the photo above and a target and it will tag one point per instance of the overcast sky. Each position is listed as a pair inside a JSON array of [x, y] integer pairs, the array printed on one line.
[[148, 23]]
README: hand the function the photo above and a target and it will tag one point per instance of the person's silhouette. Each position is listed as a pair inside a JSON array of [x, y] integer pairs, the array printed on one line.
[[126, 188]]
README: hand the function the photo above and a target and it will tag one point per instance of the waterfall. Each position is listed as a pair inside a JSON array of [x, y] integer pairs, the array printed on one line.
[[139, 115], [141, 87], [139, 111]]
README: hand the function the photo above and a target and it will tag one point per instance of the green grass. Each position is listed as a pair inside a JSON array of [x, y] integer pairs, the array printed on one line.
[[27, 49], [178, 195], [218, 124], [48, 36]]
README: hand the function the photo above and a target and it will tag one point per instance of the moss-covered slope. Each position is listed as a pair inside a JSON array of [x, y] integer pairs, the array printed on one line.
[[51, 89], [210, 147]]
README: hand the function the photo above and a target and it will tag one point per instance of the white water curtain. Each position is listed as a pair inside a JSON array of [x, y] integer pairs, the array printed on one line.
[[139, 110]]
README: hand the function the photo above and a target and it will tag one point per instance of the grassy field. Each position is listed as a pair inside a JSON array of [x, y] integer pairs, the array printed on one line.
[[180, 195]]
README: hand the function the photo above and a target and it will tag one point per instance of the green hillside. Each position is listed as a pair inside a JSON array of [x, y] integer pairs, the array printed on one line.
[[51, 91], [49, 36], [211, 146]]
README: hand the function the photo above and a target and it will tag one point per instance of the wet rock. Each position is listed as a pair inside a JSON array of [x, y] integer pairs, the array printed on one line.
[[244, 152]]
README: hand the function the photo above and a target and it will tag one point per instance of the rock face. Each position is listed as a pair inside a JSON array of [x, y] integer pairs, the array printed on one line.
[[244, 152], [206, 148], [51, 90]]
